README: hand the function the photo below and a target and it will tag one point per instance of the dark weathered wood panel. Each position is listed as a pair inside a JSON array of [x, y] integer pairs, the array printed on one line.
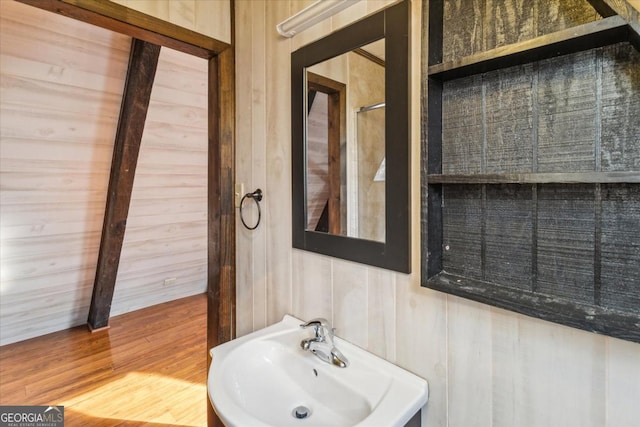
[[143, 62], [620, 254], [472, 26], [431, 146], [509, 235], [567, 113], [433, 14], [620, 113], [566, 242], [462, 230], [622, 8], [558, 249], [563, 42], [462, 126], [556, 15], [509, 120], [508, 21], [538, 178], [462, 21]]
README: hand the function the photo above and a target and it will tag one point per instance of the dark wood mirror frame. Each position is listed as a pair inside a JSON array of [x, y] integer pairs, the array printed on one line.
[[392, 24]]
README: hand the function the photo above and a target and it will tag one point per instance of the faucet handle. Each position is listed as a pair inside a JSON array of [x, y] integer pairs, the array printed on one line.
[[318, 321], [320, 325]]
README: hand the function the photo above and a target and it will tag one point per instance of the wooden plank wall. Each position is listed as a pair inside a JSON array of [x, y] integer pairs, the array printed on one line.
[[61, 90], [166, 231], [62, 83], [485, 366], [496, 23], [209, 17]]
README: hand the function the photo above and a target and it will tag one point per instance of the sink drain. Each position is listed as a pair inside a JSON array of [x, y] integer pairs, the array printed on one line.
[[301, 412]]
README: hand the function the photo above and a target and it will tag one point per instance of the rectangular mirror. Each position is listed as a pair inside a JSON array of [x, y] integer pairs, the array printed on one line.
[[350, 142]]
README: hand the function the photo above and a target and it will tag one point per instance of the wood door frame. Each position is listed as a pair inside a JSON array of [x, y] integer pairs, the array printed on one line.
[[221, 294], [337, 124]]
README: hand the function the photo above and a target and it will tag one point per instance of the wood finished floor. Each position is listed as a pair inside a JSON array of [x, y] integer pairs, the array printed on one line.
[[148, 369]]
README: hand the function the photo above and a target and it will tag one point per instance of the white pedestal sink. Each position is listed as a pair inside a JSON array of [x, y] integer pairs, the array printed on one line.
[[264, 378]]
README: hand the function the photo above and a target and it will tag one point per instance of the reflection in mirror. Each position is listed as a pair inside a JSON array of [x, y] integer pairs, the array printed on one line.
[[345, 131], [368, 221]]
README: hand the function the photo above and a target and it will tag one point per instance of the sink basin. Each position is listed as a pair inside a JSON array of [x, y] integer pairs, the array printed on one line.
[[266, 379]]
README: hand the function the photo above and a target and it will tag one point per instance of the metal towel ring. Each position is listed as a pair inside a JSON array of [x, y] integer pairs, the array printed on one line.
[[257, 197]]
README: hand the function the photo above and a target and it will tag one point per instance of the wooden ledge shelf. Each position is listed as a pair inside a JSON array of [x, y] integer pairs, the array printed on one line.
[[539, 178], [592, 318], [595, 34]]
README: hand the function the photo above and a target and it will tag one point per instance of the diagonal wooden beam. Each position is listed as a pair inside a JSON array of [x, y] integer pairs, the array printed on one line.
[[143, 62]]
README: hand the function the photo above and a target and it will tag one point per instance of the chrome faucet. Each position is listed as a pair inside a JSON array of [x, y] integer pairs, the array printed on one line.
[[322, 343]]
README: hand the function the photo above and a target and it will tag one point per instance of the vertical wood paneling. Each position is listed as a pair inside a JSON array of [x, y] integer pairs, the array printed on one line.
[[470, 376], [209, 17], [277, 201], [520, 360], [213, 18], [421, 343], [315, 32], [533, 357], [349, 288], [506, 392], [157, 8], [182, 13], [568, 361], [622, 383], [381, 313], [312, 291], [258, 165], [244, 172]]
